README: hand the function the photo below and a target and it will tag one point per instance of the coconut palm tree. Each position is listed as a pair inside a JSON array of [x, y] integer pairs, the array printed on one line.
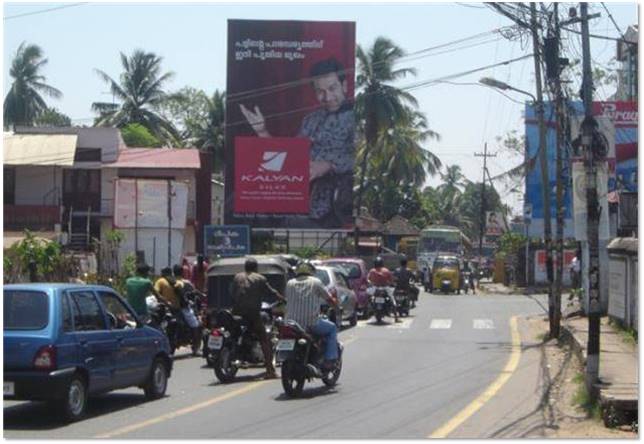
[[379, 105], [140, 90], [208, 133], [24, 102], [453, 180]]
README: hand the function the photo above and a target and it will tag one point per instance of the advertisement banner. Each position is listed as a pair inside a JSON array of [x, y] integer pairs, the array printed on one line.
[[289, 144], [540, 274], [494, 225], [274, 177], [624, 118], [226, 240]]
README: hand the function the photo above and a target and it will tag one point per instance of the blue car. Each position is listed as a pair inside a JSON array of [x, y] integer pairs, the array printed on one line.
[[66, 342]]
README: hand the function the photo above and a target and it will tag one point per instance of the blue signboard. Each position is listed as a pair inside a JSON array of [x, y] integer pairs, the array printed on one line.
[[226, 240]]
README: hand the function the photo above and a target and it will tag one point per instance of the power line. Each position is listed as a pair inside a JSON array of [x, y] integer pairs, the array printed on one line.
[[243, 95], [42, 11], [613, 20]]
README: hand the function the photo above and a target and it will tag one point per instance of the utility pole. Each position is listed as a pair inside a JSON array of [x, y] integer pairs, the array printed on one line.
[[484, 155], [593, 155], [553, 71], [543, 161]]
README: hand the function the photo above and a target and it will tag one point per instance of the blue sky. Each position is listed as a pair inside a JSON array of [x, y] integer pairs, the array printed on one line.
[[191, 38]]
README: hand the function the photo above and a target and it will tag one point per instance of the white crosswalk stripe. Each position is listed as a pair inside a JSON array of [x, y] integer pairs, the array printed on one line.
[[404, 325], [483, 324], [441, 323]]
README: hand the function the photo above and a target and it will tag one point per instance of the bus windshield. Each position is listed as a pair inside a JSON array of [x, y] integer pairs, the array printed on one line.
[[439, 244]]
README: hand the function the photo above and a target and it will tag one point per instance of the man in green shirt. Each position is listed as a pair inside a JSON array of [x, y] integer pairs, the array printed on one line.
[[139, 287]]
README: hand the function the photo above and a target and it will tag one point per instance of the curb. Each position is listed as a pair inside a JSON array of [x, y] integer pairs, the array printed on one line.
[[569, 337]]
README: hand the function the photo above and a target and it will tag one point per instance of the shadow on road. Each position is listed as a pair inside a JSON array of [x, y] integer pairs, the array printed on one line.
[[310, 393], [43, 416], [239, 379]]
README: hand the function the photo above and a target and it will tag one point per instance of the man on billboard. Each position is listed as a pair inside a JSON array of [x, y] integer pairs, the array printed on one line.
[[331, 130]]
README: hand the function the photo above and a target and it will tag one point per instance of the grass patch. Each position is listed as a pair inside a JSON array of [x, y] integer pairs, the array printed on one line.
[[627, 334], [582, 399]]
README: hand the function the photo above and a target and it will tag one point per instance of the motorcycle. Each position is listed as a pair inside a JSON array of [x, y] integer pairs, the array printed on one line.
[[174, 326], [231, 345], [403, 301], [380, 302], [302, 356], [468, 283]]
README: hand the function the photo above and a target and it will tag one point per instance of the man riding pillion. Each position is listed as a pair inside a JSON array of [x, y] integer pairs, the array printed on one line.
[[304, 295], [380, 276], [249, 288], [402, 278]]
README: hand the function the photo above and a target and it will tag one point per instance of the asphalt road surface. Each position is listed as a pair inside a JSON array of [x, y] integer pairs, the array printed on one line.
[[402, 380]]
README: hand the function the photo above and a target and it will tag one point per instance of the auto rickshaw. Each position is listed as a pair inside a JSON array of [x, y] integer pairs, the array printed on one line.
[[446, 275], [222, 272]]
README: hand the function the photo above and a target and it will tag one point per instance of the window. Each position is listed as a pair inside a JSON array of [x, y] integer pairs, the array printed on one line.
[[341, 280], [25, 310], [9, 186], [68, 324], [82, 189], [87, 312], [323, 276], [117, 313]]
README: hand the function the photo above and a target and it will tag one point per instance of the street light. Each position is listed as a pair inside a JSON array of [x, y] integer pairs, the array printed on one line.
[[493, 83]]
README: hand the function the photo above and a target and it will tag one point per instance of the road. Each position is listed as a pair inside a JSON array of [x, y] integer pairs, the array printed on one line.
[[399, 381]]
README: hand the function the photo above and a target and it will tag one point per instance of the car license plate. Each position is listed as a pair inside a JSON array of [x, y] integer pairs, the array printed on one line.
[[9, 388], [286, 344], [215, 342], [379, 300]]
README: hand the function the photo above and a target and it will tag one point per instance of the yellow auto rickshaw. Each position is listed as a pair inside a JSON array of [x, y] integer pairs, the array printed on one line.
[[446, 275]]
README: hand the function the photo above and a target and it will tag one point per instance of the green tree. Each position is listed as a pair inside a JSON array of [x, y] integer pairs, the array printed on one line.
[[379, 105], [136, 135], [53, 117], [470, 206], [140, 91], [24, 102]]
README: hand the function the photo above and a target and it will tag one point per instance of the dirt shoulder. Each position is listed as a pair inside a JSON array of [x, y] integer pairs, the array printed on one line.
[[561, 374]]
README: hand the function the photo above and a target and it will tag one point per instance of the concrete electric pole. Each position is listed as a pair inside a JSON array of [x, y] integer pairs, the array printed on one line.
[[484, 155]]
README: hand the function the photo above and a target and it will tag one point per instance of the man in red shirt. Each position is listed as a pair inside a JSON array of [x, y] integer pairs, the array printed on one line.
[[380, 276]]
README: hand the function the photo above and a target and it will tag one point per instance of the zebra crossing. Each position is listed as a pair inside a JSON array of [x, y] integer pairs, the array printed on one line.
[[434, 324]]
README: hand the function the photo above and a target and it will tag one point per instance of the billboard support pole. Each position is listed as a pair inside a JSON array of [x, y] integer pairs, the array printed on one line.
[[136, 216], [169, 224]]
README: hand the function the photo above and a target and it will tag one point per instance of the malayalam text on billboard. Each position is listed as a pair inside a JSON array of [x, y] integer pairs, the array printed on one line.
[[290, 150]]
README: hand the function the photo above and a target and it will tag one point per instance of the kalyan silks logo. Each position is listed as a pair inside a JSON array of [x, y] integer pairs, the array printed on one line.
[[273, 161], [268, 171]]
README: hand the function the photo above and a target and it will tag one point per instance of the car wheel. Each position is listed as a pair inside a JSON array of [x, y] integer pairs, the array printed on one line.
[[157, 381], [73, 405]]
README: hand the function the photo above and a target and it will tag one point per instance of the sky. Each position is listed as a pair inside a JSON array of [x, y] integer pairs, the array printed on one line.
[[191, 38]]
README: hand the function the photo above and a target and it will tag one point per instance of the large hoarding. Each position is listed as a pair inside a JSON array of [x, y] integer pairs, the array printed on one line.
[[618, 122], [290, 126]]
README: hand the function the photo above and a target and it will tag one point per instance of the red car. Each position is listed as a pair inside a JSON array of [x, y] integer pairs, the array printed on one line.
[[357, 272]]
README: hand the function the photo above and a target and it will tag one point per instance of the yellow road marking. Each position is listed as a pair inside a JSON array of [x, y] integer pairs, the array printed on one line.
[[183, 411], [491, 390]]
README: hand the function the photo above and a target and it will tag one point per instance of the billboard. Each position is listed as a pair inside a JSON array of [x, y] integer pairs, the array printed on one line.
[[290, 125], [226, 240], [617, 121], [494, 223]]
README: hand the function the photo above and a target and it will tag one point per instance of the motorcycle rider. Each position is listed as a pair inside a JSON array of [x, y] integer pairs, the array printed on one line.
[[380, 276], [402, 278], [467, 271], [185, 291], [137, 288], [304, 295], [248, 290]]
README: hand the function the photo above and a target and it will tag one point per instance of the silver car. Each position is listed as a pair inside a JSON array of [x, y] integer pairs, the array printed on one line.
[[336, 282]]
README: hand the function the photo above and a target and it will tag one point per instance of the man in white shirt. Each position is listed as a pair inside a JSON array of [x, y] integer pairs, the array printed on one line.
[[304, 294]]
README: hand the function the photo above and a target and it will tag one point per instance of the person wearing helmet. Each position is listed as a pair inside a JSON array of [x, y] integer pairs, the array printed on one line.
[[380, 276], [402, 278], [249, 288], [304, 295]]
